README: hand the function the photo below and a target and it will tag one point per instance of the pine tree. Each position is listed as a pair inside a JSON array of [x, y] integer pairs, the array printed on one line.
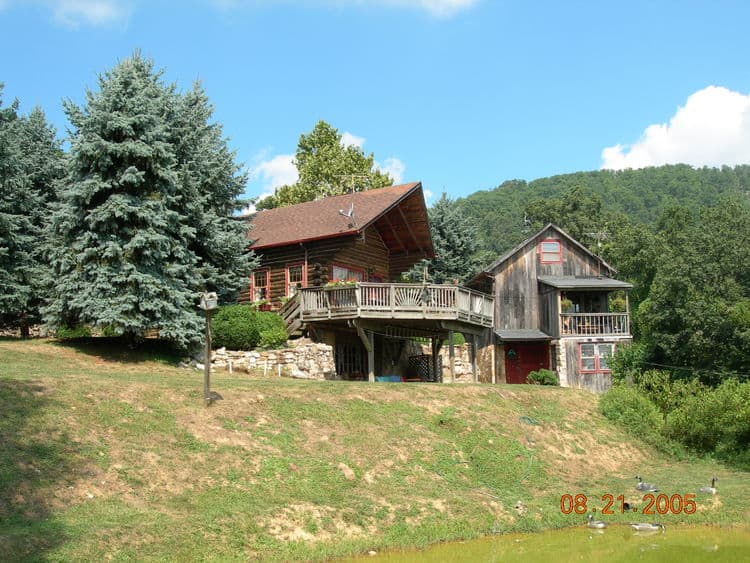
[[455, 241], [327, 168], [209, 173], [30, 164], [146, 184]]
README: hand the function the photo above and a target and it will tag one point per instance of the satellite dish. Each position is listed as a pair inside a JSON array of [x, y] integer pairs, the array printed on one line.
[[348, 213]]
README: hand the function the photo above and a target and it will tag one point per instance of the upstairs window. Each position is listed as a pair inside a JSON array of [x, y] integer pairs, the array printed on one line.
[[594, 358], [550, 251], [260, 284], [344, 273], [295, 278]]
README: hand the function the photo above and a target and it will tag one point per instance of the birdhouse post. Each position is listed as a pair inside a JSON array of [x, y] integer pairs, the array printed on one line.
[[209, 301]]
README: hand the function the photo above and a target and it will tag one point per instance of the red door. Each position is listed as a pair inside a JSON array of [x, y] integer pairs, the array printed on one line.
[[522, 358]]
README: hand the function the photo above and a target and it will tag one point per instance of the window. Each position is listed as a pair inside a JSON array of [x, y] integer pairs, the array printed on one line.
[[594, 358], [550, 251], [342, 273], [295, 278], [260, 284]]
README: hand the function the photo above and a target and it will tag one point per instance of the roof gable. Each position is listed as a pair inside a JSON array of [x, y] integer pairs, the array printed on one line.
[[536, 238], [393, 208]]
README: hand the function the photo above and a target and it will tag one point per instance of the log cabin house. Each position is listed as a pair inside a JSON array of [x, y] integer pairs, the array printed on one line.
[[557, 306], [331, 269]]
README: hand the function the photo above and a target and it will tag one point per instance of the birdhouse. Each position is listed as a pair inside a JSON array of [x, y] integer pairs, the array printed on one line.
[[209, 301]]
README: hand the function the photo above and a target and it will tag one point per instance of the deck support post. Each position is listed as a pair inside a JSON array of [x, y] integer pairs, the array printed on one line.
[[434, 358], [474, 358], [371, 356], [451, 356]]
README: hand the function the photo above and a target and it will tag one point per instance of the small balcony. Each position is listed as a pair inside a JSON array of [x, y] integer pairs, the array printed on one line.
[[396, 301], [594, 324]]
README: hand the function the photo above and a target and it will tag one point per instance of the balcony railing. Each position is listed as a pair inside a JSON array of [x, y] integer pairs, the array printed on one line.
[[594, 324], [394, 300]]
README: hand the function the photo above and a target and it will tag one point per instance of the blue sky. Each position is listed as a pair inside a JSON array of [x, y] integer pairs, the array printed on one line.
[[460, 94]]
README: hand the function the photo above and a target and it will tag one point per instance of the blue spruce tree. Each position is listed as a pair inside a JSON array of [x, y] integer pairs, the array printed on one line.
[[143, 222], [31, 162]]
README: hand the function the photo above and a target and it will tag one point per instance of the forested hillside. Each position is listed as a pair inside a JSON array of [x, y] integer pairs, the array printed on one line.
[[641, 195]]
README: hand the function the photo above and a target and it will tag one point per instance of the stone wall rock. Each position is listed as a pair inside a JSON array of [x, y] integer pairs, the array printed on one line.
[[303, 359]]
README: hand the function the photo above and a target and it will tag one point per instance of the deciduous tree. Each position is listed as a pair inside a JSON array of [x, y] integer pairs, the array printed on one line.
[[327, 167]]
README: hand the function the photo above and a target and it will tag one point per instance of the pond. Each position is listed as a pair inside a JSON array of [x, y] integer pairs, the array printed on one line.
[[679, 544]]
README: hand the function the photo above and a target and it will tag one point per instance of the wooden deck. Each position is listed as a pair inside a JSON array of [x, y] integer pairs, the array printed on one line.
[[396, 301], [594, 324]]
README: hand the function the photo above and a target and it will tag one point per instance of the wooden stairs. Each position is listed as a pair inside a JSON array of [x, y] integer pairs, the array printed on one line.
[[291, 312]]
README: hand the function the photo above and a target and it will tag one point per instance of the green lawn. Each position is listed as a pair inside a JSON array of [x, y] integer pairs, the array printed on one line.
[[111, 455]]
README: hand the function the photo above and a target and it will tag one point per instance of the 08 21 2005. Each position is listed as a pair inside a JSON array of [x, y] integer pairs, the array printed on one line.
[[655, 504]]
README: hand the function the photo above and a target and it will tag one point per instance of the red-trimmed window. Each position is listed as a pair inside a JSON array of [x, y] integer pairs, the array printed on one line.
[[260, 284], [295, 278], [594, 357], [339, 272], [550, 251]]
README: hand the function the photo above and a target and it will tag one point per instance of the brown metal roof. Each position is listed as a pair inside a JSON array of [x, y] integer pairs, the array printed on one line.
[[398, 212]]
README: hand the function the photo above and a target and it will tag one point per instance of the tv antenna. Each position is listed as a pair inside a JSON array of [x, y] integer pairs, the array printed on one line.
[[598, 235]]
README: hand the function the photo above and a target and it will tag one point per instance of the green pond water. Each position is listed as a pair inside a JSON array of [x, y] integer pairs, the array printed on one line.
[[679, 544]]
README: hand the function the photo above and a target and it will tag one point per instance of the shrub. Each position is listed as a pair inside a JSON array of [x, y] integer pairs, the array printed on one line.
[[240, 327], [628, 407], [665, 392], [627, 362], [542, 377], [715, 420], [71, 332], [274, 337]]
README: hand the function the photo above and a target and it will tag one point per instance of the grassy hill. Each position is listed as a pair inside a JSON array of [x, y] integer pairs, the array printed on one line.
[[111, 455]]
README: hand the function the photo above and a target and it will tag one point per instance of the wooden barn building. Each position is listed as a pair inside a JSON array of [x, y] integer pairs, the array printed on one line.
[[557, 306]]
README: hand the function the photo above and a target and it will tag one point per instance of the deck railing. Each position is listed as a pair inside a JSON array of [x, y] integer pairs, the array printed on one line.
[[397, 300], [594, 324]]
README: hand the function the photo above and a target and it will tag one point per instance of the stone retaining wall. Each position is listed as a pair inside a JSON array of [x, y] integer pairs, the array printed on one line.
[[305, 359]]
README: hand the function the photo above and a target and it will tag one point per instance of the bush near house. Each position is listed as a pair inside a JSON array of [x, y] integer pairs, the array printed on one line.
[[542, 377], [242, 327]]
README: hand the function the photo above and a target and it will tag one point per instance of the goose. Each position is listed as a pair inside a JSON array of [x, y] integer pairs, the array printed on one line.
[[647, 527], [595, 523], [709, 490], [646, 487]]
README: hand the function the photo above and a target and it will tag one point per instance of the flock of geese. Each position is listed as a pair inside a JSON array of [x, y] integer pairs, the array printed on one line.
[[648, 526]]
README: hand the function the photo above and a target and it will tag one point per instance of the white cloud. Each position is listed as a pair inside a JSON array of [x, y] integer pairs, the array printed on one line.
[[436, 8], [75, 13], [711, 129], [428, 194], [91, 12], [350, 140], [393, 167], [272, 173], [276, 172]]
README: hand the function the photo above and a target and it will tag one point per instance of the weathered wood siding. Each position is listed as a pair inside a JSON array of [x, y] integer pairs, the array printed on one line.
[[595, 382], [518, 303]]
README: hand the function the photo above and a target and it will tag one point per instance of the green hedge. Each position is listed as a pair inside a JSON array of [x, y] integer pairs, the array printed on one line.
[[242, 327]]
